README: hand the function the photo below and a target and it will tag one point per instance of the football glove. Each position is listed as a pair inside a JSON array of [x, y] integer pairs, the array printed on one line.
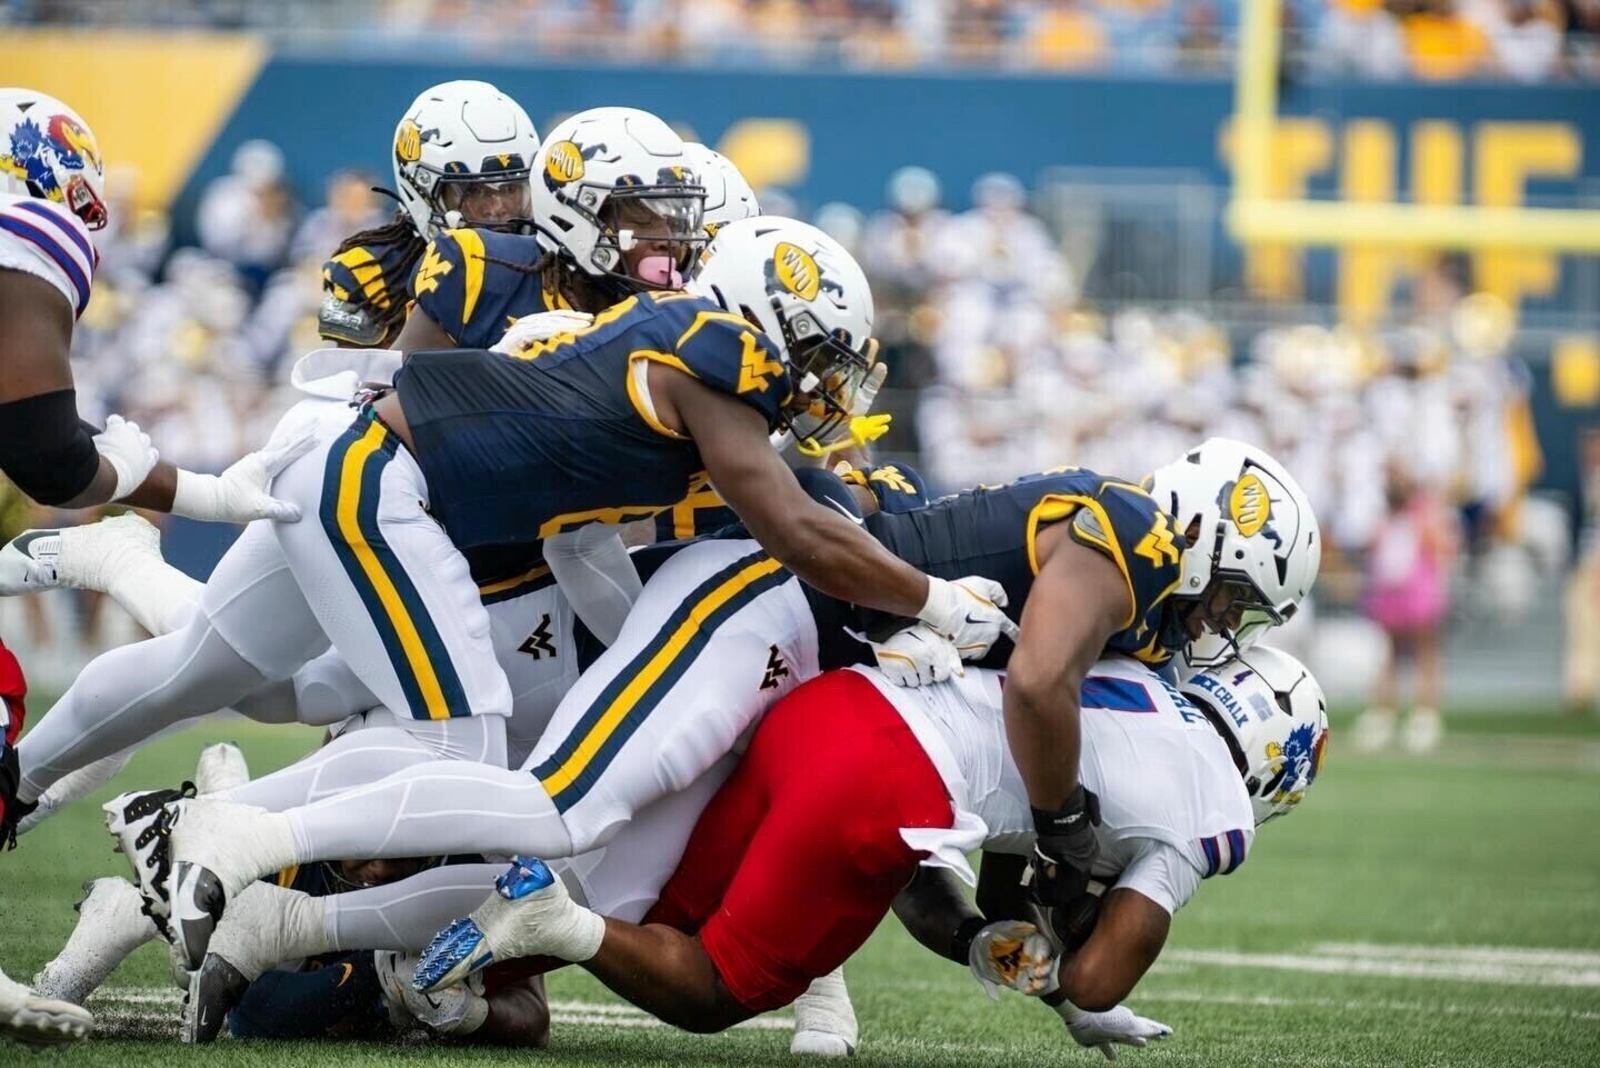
[[239, 494], [542, 326], [1105, 1031], [456, 1010], [1065, 849], [969, 612], [129, 452], [1014, 955], [916, 656]]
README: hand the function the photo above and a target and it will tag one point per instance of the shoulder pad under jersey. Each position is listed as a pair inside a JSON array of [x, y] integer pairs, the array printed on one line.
[[44, 239], [727, 353]]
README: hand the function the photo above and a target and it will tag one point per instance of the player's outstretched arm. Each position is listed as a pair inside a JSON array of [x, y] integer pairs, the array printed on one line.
[[822, 546], [1078, 600]]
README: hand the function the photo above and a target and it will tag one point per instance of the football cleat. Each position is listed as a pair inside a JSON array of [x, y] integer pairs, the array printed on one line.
[[459, 1010], [140, 822], [112, 924], [264, 926], [221, 767], [213, 992], [38, 1021], [530, 913], [217, 849], [28, 562], [824, 1019]]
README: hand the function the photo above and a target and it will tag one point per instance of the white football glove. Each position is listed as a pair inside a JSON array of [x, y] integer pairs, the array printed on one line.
[[1105, 1031], [540, 327], [916, 656], [456, 1010], [1014, 955], [968, 612], [129, 452], [239, 494]]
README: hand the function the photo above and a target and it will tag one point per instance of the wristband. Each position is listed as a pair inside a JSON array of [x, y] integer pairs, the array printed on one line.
[[961, 941]]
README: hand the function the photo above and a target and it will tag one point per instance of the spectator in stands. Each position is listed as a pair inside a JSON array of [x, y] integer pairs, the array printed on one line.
[[1359, 36], [1065, 34], [1441, 42], [1583, 588], [247, 216], [1408, 595]]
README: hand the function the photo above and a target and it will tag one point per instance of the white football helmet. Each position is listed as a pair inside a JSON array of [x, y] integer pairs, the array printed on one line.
[[47, 151], [1271, 712], [603, 176], [1251, 531], [811, 298], [462, 156], [729, 197]]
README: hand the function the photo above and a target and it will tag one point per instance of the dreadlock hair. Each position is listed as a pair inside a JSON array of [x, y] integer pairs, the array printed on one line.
[[556, 275], [401, 233]]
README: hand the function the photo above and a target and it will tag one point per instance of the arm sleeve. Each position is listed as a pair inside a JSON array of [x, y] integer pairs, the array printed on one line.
[[1162, 874], [596, 575], [46, 449]]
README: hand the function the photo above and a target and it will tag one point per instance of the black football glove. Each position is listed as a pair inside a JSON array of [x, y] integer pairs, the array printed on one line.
[[1064, 849]]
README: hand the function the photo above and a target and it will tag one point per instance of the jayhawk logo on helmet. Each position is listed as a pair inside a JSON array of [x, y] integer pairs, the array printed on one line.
[[57, 161], [1301, 756]]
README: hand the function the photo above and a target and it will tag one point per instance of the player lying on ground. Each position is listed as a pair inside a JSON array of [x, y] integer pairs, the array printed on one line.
[[851, 783]]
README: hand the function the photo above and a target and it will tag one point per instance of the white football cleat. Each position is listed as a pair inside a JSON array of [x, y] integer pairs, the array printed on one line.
[[28, 562], [217, 849], [529, 914], [1424, 730], [824, 1019], [222, 767], [264, 926], [140, 822], [92, 553], [112, 923], [37, 1021]]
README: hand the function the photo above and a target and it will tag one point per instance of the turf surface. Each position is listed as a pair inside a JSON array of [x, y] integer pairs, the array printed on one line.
[[1342, 942]]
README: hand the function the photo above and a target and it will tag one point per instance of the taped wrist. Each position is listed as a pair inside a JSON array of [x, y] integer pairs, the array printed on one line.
[[46, 449]]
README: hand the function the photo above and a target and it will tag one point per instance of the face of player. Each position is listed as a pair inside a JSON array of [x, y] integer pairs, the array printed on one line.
[[487, 203], [1221, 607], [659, 236], [366, 873]]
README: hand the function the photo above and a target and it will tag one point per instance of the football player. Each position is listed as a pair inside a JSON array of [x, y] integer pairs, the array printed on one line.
[[462, 156], [660, 711], [51, 200], [851, 785]]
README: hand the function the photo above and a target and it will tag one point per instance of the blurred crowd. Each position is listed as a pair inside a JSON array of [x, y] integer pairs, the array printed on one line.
[[1415, 443], [1434, 39]]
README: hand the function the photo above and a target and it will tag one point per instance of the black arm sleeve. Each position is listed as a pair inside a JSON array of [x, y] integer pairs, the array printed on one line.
[[45, 448]]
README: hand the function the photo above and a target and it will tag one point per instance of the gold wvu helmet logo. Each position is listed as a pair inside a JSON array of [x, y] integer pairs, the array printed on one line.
[[796, 271], [1249, 506], [564, 163], [408, 142]]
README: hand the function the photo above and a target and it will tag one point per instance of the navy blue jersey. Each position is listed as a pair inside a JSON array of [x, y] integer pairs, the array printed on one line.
[[366, 290], [992, 531], [476, 283], [522, 447], [701, 512]]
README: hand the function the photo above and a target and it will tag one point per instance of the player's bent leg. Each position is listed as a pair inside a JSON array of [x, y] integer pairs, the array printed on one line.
[[127, 695], [720, 632], [388, 588], [364, 754], [831, 779]]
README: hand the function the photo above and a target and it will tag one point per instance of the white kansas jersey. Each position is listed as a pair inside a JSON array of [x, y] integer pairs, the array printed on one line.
[[44, 239], [1173, 806]]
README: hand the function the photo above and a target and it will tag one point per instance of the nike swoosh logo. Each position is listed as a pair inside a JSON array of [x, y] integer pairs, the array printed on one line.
[[842, 510], [348, 970]]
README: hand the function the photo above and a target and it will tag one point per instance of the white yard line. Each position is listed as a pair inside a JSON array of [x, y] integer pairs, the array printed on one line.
[[1353, 1005], [1385, 963], [1512, 955]]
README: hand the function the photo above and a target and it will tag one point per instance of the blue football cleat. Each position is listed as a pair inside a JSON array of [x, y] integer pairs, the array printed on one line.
[[464, 947]]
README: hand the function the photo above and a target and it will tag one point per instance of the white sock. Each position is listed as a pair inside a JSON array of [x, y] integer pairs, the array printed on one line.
[[405, 916]]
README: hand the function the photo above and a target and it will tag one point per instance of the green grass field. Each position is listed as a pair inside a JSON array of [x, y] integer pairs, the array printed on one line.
[[1416, 911]]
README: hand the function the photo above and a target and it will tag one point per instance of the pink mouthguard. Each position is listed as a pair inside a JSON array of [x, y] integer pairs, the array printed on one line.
[[659, 271]]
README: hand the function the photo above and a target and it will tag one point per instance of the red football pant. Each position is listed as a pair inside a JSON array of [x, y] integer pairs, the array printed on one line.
[[797, 859]]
